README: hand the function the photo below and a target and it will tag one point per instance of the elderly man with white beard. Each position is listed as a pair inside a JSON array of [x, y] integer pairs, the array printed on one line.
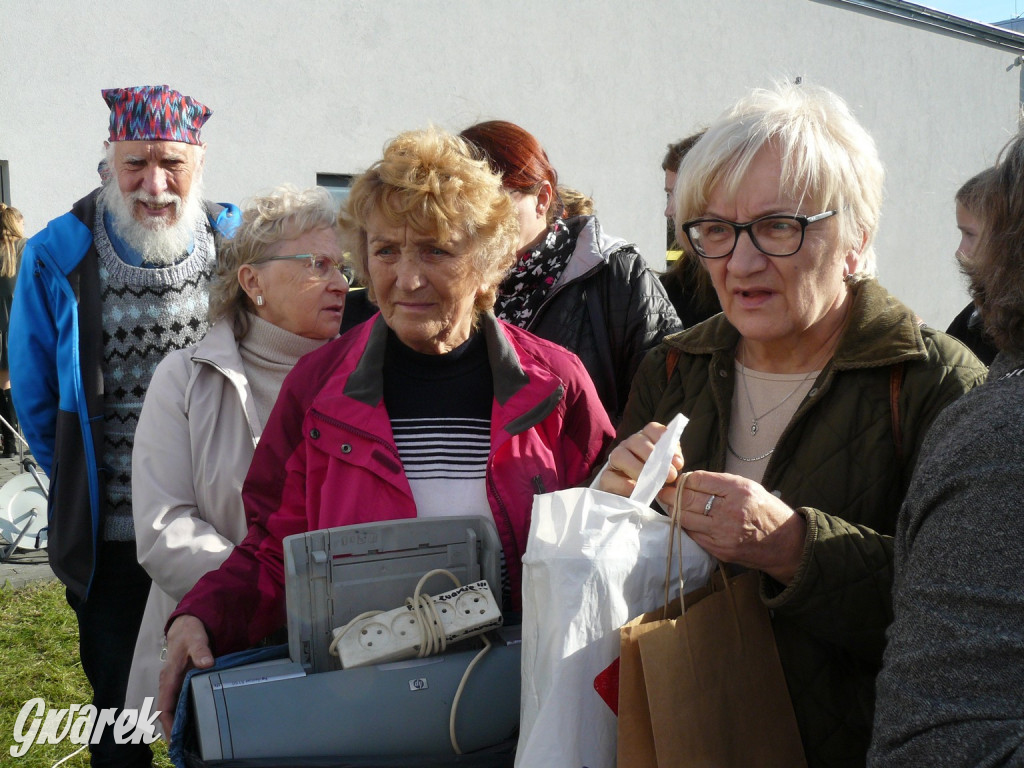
[[105, 292]]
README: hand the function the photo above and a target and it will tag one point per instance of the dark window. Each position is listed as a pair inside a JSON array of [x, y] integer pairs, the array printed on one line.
[[5, 182], [338, 184]]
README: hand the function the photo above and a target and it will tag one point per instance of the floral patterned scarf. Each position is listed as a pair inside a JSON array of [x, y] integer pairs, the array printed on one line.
[[535, 272]]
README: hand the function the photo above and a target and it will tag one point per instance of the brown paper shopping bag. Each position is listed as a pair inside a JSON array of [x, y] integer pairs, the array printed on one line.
[[635, 737], [716, 693]]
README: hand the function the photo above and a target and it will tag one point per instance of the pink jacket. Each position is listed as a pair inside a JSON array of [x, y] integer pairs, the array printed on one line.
[[327, 457]]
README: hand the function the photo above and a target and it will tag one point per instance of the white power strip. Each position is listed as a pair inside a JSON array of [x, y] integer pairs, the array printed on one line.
[[396, 634]]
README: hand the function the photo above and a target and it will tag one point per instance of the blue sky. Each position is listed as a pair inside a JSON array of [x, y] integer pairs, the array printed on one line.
[[988, 11]]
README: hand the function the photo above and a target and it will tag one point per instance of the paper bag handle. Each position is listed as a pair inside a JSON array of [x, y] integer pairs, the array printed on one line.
[[676, 537], [652, 476]]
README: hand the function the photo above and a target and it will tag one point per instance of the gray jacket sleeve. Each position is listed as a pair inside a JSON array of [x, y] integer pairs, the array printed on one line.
[[952, 689]]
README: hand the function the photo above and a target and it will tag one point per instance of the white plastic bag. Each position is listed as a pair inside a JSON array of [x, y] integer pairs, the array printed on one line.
[[593, 561]]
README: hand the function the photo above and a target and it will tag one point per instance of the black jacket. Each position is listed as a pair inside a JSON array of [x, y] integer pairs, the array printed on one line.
[[968, 328], [608, 307], [690, 293]]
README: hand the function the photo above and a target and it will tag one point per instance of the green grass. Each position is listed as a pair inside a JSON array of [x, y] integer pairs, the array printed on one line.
[[39, 658]]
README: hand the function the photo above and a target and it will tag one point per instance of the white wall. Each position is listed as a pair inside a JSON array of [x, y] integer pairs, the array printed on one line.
[[319, 85]]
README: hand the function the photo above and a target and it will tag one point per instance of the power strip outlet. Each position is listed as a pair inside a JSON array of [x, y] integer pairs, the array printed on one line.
[[395, 635]]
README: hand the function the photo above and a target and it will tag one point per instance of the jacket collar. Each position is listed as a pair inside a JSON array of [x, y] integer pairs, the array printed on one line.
[[881, 331], [592, 250], [366, 382], [219, 348]]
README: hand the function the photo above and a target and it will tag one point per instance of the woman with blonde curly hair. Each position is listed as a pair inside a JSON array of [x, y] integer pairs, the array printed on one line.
[[12, 241], [433, 407], [278, 293]]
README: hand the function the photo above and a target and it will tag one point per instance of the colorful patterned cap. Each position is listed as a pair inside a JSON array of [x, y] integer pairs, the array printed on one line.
[[154, 113]]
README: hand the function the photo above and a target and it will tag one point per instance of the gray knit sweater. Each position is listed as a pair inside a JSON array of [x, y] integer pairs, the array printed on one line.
[[147, 313], [952, 689]]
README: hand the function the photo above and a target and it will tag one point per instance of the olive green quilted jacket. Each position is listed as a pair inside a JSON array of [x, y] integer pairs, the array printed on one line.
[[837, 464]]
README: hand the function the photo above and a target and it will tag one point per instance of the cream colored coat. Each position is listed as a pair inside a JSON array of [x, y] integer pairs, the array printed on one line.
[[193, 446]]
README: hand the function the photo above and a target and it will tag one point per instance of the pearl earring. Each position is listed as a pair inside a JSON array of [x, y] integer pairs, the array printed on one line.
[[259, 301]]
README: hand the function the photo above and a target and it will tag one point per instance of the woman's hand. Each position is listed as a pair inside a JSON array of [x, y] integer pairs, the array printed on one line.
[[188, 646], [742, 524], [627, 460]]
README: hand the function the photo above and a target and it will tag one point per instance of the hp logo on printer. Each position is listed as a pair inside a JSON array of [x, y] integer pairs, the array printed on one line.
[[418, 684]]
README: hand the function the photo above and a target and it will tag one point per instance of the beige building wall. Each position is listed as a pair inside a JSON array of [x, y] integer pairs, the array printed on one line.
[[317, 86]]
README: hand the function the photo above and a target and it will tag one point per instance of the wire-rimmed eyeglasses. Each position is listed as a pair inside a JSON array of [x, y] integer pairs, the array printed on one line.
[[319, 266], [773, 235]]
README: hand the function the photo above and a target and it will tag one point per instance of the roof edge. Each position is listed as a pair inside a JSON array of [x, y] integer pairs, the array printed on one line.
[[985, 33]]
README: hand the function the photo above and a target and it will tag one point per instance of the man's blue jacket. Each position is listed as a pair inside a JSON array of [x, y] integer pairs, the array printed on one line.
[[56, 363]]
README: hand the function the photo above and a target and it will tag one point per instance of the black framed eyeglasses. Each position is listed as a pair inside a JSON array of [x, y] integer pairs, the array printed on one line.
[[319, 266], [774, 235]]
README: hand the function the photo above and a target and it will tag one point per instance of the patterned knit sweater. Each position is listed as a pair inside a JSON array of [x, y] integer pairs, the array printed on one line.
[[147, 312]]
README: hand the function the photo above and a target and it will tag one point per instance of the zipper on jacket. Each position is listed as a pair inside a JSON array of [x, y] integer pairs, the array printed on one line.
[[501, 508]]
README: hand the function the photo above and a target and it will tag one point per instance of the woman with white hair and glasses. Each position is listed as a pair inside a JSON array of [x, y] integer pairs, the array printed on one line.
[[808, 398], [279, 293]]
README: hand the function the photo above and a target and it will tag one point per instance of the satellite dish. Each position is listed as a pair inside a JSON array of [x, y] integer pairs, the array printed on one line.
[[23, 511]]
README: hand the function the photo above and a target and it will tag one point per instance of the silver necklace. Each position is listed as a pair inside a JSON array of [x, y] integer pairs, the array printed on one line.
[[744, 458], [754, 417]]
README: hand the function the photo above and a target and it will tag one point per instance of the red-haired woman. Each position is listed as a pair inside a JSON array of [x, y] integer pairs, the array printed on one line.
[[572, 283]]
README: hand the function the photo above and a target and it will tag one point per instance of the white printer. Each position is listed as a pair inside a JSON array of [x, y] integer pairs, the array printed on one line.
[[306, 707]]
